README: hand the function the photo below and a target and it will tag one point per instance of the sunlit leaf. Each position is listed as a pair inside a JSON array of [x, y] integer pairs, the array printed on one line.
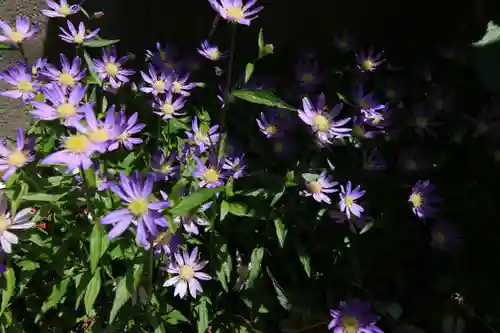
[[202, 315], [124, 290], [256, 266], [194, 200], [98, 245], [491, 36], [249, 71], [261, 97], [100, 42], [280, 231], [92, 291], [8, 290]]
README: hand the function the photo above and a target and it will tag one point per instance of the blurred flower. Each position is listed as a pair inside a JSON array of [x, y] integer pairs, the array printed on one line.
[[155, 83], [167, 243], [343, 42], [191, 222], [180, 84], [307, 73], [235, 165], [16, 157], [76, 152], [366, 103], [203, 139], [125, 128], [39, 65], [110, 68], [272, 126], [163, 167], [392, 89], [70, 73], [211, 52], [9, 223], [369, 61], [186, 267], [23, 85], [440, 100], [282, 147], [211, 175], [412, 160], [348, 197], [140, 210], [354, 316], [18, 34], [100, 133], [77, 37], [360, 130], [189, 150], [164, 58], [422, 199], [320, 188], [373, 161], [234, 10], [167, 107], [444, 236], [424, 121], [61, 9]]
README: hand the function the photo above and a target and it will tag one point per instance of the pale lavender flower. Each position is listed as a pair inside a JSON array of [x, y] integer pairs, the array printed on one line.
[[423, 199], [373, 161], [191, 223], [61, 9], [307, 73], [180, 84], [125, 129], [169, 107], [235, 165], [156, 82], [70, 74], [235, 11], [39, 65], [8, 223], [344, 42], [163, 166], [79, 36], [380, 119], [211, 174], [369, 61], [186, 267], [348, 197], [204, 140], [444, 236], [13, 158], [320, 188], [135, 193], [110, 68], [17, 35], [101, 133], [353, 316], [76, 153], [21, 79], [211, 52], [67, 108], [271, 126]]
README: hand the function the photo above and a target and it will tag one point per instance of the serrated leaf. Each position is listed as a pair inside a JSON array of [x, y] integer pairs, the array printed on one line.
[[261, 97], [98, 245], [8, 290], [256, 266], [280, 231], [249, 71], [92, 291], [194, 200], [491, 36], [100, 42], [125, 289]]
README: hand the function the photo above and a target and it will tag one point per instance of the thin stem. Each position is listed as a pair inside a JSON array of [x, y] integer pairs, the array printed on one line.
[[20, 47], [150, 272], [214, 26]]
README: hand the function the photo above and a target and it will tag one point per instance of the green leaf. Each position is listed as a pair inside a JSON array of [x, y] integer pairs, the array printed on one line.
[[256, 261], [260, 41], [92, 291], [98, 245], [280, 231], [43, 197], [100, 42], [57, 294], [224, 209], [175, 316], [280, 294], [238, 209], [249, 71], [261, 97], [305, 261], [202, 315], [90, 66], [491, 36], [89, 175], [8, 290], [194, 200], [5, 46], [125, 289]]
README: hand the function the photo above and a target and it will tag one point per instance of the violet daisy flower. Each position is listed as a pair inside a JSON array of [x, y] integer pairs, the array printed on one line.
[[373, 161], [369, 61], [211, 52], [365, 102], [180, 84], [354, 316], [125, 129], [21, 79], [164, 58], [271, 126], [188, 151], [16, 157], [156, 83], [61, 9], [187, 269], [203, 139], [70, 73], [163, 166], [135, 193], [423, 199], [235, 165], [444, 236], [110, 68], [323, 122], [307, 73], [77, 37], [234, 10], [167, 107], [211, 175], [68, 109], [348, 197], [320, 188], [167, 243], [191, 222], [17, 35], [9, 223], [360, 130], [100, 133], [76, 152]]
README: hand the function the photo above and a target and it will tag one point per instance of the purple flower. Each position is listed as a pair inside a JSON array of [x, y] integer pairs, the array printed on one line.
[[165, 57], [189, 150], [39, 65], [167, 107], [163, 167], [167, 243], [271, 126], [17, 35], [380, 119], [21, 79], [373, 161], [323, 122], [234, 10], [369, 61], [422, 199], [9, 223], [186, 267], [77, 37], [135, 193], [343, 42], [211, 52], [68, 109], [320, 188], [70, 73], [366, 103], [353, 316], [235, 165], [348, 197], [125, 129], [100, 133], [191, 222], [444, 236], [110, 69], [76, 152], [16, 157], [61, 9], [204, 140], [180, 84], [307, 73], [360, 130], [211, 175], [156, 83]]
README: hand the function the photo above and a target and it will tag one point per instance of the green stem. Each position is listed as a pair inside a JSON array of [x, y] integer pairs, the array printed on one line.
[[150, 272], [20, 47], [214, 26]]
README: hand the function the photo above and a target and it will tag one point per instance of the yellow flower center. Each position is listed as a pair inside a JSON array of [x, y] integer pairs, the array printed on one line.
[[321, 123], [166, 168], [367, 64], [390, 93], [25, 85], [16, 159], [350, 324], [186, 273], [272, 129], [314, 187], [439, 236], [416, 200], [213, 54], [64, 10], [99, 135], [79, 38], [177, 87], [66, 79], [124, 136], [422, 122], [358, 131], [3, 224], [308, 78], [17, 37], [376, 119], [168, 109], [235, 13], [159, 86], [77, 144], [211, 176], [111, 69], [138, 207], [278, 147], [348, 201], [201, 137], [364, 104], [66, 110]]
